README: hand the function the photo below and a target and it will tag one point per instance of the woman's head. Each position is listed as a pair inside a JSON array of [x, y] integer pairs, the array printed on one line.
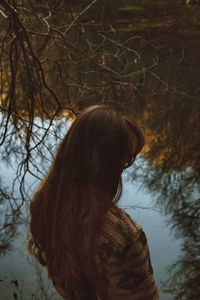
[[69, 208], [98, 146]]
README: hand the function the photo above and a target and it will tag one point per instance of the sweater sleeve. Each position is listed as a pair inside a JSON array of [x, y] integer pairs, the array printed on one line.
[[130, 274], [128, 269]]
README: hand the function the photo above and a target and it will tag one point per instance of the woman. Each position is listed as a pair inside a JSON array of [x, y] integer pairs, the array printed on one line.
[[92, 249]]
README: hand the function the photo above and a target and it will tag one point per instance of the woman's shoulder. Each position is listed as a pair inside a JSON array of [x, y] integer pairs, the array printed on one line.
[[119, 230], [131, 226]]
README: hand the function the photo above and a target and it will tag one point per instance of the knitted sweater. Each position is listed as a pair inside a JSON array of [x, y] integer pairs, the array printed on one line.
[[123, 253]]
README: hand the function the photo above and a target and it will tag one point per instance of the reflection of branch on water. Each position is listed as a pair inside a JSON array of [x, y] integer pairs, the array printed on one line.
[[168, 87], [184, 280], [8, 224], [186, 219], [177, 193], [44, 289], [140, 207], [18, 288]]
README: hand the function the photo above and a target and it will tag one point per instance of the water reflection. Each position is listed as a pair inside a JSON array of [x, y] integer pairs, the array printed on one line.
[[21, 173], [177, 193], [173, 182], [147, 65], [7, 224]]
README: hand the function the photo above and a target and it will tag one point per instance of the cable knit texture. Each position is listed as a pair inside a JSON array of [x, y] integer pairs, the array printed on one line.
[[123, 251], [123, 254]]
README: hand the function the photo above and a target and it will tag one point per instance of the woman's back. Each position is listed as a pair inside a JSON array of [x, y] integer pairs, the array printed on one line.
[[124, 261]]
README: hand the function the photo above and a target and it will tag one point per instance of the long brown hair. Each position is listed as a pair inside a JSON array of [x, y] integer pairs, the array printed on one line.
[[69, 207]]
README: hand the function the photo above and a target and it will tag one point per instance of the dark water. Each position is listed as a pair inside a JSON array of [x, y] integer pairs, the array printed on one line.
[[142, 55]]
